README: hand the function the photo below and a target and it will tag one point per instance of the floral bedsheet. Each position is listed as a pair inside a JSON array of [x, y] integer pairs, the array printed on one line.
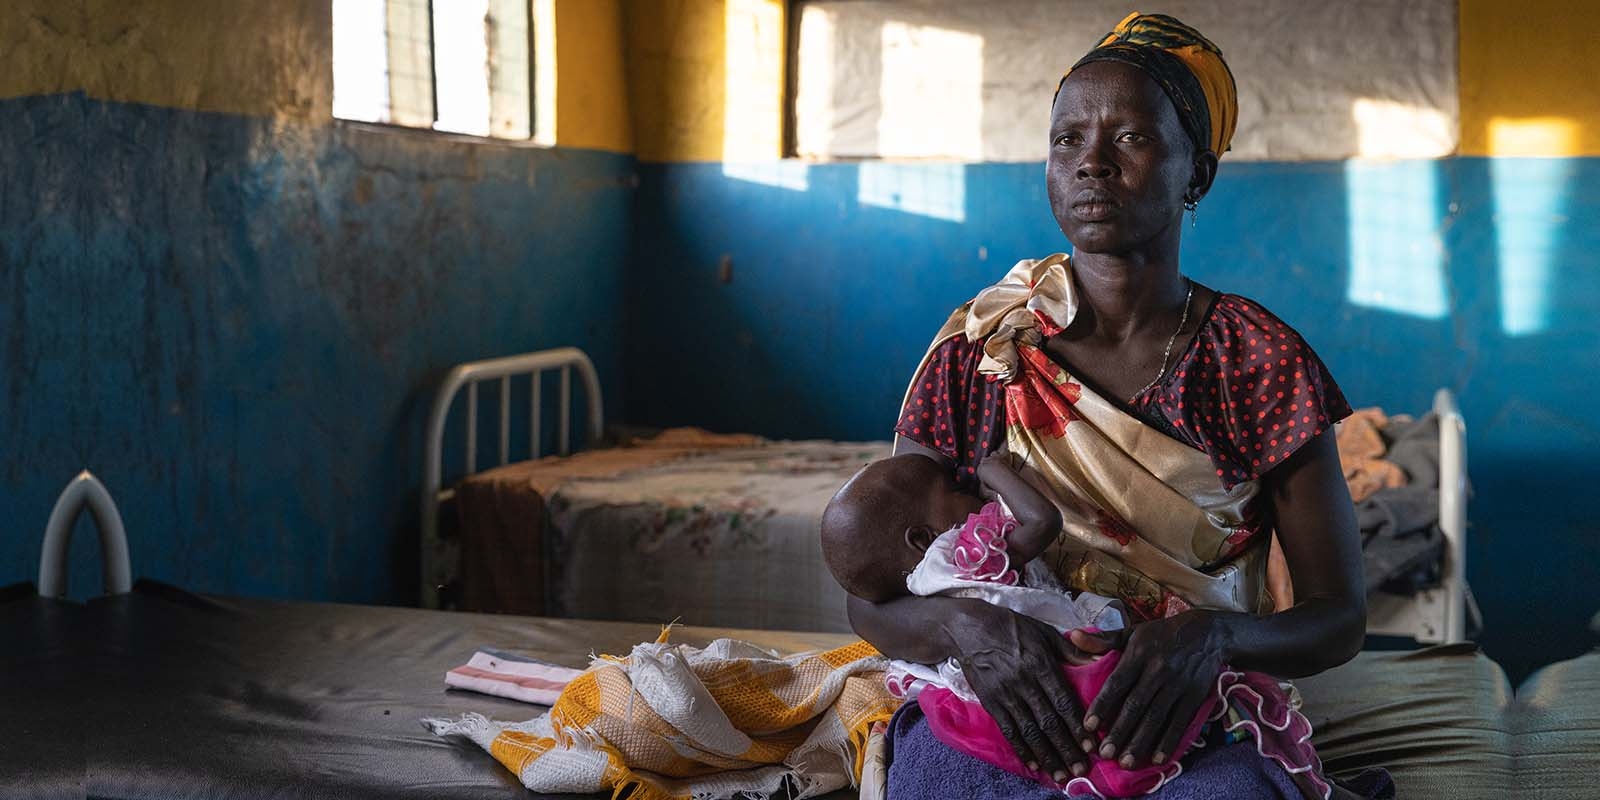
[[727, 537]]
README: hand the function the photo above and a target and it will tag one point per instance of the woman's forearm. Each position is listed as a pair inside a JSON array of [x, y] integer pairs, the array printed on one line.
[[1317, 634], [920, 629]]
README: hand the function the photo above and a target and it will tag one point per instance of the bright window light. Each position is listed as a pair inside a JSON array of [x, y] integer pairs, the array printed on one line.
[[451, 65], [1388, 129], [360, 61], [461, 66], [931, 93], [752, 128]]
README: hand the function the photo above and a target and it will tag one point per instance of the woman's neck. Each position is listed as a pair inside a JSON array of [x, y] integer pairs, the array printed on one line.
[[1127, 292]]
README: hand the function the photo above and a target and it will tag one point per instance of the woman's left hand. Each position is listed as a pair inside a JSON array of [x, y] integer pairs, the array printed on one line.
[[1168, 670]]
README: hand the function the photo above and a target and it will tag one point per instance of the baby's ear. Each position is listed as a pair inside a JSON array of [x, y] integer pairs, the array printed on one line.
[[920, 537]]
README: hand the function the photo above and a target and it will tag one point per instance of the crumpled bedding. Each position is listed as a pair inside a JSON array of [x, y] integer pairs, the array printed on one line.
[[1392, 467]]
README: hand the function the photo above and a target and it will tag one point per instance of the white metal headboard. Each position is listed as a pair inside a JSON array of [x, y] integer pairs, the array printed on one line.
[[441, 558], [1437, 616]]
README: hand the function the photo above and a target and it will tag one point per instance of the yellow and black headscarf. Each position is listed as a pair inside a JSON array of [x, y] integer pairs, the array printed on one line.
[[1188, 67]]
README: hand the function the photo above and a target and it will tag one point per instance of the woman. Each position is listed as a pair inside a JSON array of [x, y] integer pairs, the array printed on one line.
[[1177, 428]]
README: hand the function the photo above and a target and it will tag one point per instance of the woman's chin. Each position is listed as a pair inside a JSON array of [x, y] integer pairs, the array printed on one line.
[[1096, 239]]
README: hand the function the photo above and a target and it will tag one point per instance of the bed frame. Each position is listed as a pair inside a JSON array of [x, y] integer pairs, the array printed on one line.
[[1435, 616], [441, 556]]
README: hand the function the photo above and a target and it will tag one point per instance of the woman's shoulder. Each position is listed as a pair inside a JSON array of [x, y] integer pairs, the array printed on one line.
[[1244, 314]]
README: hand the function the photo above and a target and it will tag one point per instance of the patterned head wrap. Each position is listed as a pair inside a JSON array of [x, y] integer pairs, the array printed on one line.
[[1188, 67]]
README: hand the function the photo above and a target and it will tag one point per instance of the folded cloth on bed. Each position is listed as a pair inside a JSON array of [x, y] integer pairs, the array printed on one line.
[[517, 677], [673, 721], [1362, 445], [1402, 547]]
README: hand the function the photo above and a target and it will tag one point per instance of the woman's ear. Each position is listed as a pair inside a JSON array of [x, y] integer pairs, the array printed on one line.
[[920, 537], [1205, 172]]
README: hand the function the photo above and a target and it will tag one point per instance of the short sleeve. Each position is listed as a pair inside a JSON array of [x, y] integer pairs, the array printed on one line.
[[953, 409], [1256, 392]]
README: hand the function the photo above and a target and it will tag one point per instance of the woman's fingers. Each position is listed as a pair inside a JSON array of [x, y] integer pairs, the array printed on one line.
[[1109, 703], [1137, 752], [1031, 727], [1057, 713], [1182, 715], [1012, 733], [1064, 700], [1138, 690]]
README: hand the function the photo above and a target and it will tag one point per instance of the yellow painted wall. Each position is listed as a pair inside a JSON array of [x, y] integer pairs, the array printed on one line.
[[591, 96], [705, 78], [257, 57], [1528, 83]]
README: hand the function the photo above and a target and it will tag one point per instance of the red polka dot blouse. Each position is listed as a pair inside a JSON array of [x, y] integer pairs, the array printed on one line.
[[1248, 392]]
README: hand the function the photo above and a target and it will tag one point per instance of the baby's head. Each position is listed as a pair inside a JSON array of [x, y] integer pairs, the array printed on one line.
[[877, 528]]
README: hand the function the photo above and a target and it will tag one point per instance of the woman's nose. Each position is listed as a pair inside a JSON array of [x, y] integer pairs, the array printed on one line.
[[1095, 163]]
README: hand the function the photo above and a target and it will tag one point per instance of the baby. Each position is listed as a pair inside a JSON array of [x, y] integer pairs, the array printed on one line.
[[880, 527], [902, 526]]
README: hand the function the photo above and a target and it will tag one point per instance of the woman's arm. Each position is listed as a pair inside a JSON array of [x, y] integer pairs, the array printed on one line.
[[1169, 665], [1038, 519]]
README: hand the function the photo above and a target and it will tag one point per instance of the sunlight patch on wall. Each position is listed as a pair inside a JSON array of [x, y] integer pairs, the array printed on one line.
[[933, 189], [1530, 206], [784, 174], [1396, 252], [1387, 129], [931, 94]]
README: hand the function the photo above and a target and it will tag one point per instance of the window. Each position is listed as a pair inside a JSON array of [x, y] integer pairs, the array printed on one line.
[[449, 65]]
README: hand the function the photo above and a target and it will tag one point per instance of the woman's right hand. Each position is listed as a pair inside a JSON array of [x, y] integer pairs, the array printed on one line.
[[1013, 664]]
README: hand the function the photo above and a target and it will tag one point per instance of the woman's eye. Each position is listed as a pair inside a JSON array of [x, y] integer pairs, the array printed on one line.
[[1130, 136], [1066, 139]]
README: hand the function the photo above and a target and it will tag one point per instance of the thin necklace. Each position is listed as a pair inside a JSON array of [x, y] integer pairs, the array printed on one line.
[[1166, 354]]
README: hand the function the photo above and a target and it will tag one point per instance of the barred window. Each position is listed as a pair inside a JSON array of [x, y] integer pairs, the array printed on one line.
[[462, 66]]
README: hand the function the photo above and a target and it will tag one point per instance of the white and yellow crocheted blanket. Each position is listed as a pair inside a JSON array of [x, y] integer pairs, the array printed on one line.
[[673, 722]]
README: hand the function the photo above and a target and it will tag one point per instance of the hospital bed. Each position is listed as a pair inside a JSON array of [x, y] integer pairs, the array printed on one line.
[[153, 692], [713, 530]]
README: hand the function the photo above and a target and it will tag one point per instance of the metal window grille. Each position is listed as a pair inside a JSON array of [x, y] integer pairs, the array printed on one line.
[[463, 66]]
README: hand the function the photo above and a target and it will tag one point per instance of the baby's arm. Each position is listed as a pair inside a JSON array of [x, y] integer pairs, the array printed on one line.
[[1038, 519]]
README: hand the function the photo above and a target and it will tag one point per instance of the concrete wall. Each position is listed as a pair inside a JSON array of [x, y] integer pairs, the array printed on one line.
[[232, 308]]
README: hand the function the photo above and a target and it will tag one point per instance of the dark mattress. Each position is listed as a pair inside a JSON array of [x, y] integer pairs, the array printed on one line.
[[160, 693]]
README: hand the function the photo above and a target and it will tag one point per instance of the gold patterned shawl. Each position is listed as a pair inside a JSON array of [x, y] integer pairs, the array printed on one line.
[[1146, 517]]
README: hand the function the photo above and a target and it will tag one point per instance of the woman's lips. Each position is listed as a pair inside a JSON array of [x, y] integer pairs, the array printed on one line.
[[1094, 212], [1093, 206]]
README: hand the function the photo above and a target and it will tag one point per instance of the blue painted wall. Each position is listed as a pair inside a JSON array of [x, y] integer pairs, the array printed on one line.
[[236, 323], [1393, 271]]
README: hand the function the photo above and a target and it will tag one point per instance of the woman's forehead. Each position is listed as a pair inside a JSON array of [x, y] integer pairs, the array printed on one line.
[[1109, 88]]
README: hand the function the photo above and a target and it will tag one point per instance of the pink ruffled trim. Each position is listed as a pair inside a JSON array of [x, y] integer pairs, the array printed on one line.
[[980, 549], [1287, 742]]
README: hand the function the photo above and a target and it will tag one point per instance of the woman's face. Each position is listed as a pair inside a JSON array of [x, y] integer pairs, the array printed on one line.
[[1120, 161]]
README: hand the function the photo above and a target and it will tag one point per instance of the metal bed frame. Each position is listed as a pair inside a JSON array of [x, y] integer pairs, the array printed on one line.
[[1439, 615], [1434, 616], [441, 556]]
